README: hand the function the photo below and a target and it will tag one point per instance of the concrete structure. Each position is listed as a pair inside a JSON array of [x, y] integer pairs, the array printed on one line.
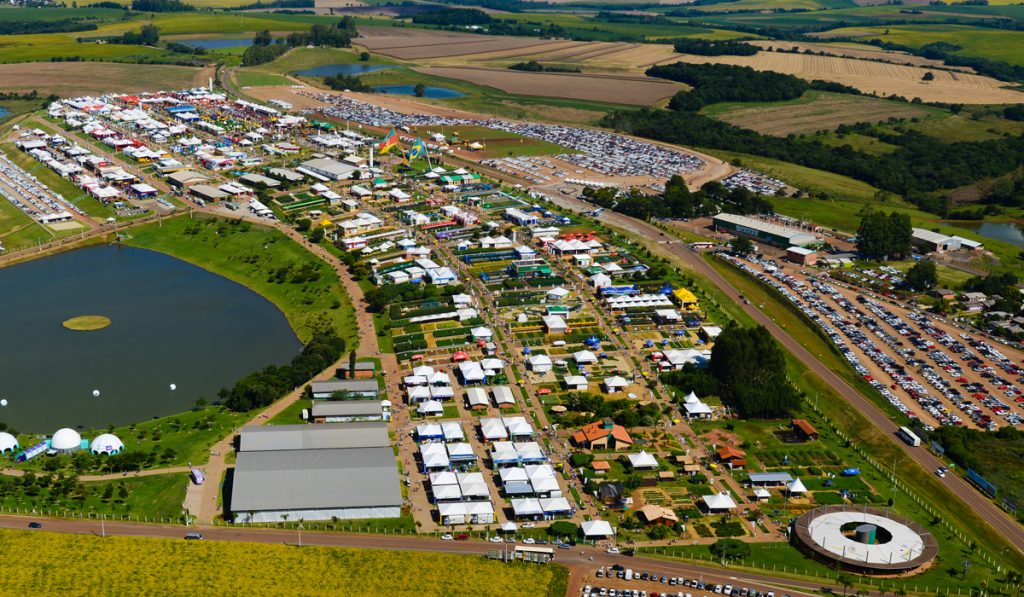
[[352, 388], [897, 545], [773, 234]]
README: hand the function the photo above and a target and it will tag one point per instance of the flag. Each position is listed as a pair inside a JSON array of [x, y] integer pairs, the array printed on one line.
[[391, 140], [419, 150]]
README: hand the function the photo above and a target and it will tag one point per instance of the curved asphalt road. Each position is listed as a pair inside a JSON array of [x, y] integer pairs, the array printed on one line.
[[984, 507]]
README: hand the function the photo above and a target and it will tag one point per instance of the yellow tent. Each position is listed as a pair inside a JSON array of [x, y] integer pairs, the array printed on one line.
[[686, 299], [326, 223]]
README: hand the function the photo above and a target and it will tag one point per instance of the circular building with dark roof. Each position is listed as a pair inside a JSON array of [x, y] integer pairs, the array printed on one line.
[[864, 540]]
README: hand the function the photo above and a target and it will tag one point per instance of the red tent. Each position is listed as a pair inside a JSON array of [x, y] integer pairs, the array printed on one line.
[[460, 356]]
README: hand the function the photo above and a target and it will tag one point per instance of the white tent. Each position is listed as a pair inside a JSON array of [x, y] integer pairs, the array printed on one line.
[[482, 332], [509, 527], [796, 486], [430, 408], [615, 383], [540, 363], [527, 507], [718, 502], [66, 440], [8, 442], [691, 398], [434, 456], [643, 460], [597, 528], [476, 397], [584, 357], [106, 443], [557, 293]]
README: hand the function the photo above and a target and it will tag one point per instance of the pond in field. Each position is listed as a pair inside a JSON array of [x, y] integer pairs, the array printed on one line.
[[429, 92], [329, 70], [216, 44], [1010, 232], [171, 323]]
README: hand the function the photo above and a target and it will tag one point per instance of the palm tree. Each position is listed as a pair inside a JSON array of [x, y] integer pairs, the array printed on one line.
[[846, 580]]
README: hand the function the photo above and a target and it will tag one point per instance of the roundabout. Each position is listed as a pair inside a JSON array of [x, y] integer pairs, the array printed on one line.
[[866, 540]]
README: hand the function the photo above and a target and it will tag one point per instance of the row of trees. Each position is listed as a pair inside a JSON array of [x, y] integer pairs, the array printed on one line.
[[34, 27], [884, 236], [265, 48], [149, 35], [342, 82], [713, 83], [161, 6], [533, 66], [453, 17], [723, 47], [267, 385], [678, 201]]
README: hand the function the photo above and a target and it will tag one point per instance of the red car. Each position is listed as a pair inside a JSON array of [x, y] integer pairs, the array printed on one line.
[[462, 537]]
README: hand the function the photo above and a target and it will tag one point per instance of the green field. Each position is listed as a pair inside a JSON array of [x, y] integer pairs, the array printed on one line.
[[155, 496], [148, 566], [248, 78], [594, 28], [994, 44], [253, 256], [17, 230]]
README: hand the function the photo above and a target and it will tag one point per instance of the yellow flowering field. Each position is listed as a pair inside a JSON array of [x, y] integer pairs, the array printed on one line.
[[40, 563]]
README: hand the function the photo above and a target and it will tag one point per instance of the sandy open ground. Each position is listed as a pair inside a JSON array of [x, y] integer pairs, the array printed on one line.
[[71, 79], [621, 89], [876, 77]]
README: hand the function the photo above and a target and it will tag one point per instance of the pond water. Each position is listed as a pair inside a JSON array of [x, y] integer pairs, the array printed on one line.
[[216, 44], [172, 322], [430, 92], [4, 112], [328, 70], [1010, 232]]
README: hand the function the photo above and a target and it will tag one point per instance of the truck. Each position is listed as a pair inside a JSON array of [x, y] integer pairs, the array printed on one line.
[[629, 574], [908, 436]]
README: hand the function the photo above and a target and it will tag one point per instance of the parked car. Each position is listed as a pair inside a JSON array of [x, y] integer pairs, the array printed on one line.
[[447, 537], [35, 525]]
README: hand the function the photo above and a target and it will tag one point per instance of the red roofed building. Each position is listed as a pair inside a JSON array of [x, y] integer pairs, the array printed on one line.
[[603, 435], [805, 429], [732, 456]]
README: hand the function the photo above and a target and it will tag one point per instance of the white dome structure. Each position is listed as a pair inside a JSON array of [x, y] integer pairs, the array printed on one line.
[[66, 440], [107, 444], [8, 442]]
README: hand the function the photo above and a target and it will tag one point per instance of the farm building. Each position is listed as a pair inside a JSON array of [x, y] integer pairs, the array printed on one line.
[[363, 370], [315, 472], [773, 479], [349, 388], [805, 430], [654, 514], [772, 234], [184, 179], [576, 382], [927, 241], [801, 256], [603, 435], [328, 168], [345, 411]]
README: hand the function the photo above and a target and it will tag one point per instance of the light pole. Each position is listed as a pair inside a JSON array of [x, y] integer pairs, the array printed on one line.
[[299, 528]]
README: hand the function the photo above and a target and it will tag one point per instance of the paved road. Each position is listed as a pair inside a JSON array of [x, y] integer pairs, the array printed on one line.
[[578, 559], [987, 510]]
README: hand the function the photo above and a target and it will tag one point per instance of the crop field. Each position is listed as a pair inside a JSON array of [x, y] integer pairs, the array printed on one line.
[[752, 5], [621, 89], [813, 112], [963, 127], [309, 294], [994, 44], [148, 566], [411, 44], [855, 50], [877, 77], [70, 79]]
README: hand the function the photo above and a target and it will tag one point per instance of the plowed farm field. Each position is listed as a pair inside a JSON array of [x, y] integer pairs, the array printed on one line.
[[71, 79], [620, 89]]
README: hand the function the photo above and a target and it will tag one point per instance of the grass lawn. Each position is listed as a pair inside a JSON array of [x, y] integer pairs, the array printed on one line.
[[292, 415], [306, 289], [994, 44], [173, 567], [248, 78], [17, 230], [156, 496]]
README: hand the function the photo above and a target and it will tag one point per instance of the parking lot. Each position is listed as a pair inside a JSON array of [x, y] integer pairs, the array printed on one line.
[[924, 366], [622, 581]]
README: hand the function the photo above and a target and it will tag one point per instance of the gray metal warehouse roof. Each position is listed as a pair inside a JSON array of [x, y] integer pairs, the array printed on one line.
[[315, 479], [370, 434], [346, 408], [346, 385]]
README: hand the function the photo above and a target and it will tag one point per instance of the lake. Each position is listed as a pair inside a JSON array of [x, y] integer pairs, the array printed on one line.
[[216, 44], [172, 322], [329, 70], [430, 92], [1005, 231], [4, 112]]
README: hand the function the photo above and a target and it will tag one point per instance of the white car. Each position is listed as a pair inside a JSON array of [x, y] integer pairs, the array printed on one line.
[[447, 537], [529, 541], [613, 549], [496, 539]]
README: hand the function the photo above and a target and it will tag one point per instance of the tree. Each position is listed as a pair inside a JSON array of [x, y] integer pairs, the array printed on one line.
[[730, 549], [563, 528], [846, 580], [922, 276], [883, 236], [419, 90], [742, 245], [122, 492], [263, 38], [750, 369], [352, 364], [303, 224], [364, 56], [317, 235], [928, 76]]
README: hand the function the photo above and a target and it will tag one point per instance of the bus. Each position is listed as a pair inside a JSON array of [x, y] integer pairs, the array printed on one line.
[[529, 553], [909, 437]]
